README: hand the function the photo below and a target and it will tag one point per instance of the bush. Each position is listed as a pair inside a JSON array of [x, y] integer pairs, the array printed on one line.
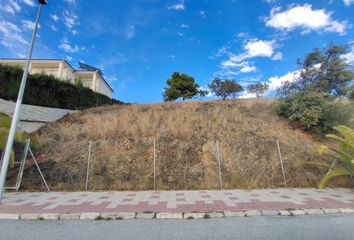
[[314, 111], [48, 91]]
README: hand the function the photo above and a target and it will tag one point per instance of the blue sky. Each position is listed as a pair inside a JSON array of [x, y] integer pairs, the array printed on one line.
[[138, 44]]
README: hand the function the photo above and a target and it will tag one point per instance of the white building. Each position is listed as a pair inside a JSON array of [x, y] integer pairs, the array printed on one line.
[[61, 69]]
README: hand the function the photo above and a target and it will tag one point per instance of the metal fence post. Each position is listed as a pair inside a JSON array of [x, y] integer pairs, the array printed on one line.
[[281, 163], [39, 169], [88, 165], [219, 163], [330, 169], [154, 164]]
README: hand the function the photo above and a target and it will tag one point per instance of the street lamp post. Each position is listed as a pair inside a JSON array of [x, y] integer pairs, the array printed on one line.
[[15, 118]]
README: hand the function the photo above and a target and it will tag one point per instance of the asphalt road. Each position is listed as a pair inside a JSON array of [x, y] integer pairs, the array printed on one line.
[[304, 227]]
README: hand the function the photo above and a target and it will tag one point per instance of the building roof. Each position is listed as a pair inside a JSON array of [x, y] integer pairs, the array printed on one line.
[[66, 62]]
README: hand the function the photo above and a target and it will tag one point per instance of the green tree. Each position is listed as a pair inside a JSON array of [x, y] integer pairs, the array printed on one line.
[[258, 88], [225, 88], [321, 71], [181, 85]]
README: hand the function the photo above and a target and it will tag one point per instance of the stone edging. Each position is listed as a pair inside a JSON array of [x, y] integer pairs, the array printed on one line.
[[166, 215]]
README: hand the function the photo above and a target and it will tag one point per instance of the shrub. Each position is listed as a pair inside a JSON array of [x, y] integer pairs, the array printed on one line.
[[314, 111], [48, 91]]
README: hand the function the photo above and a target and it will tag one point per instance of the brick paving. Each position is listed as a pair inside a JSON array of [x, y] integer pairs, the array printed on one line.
[[176, 201]]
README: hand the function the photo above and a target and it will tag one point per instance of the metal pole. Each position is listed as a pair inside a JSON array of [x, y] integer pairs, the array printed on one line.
[[39, 170], [281, 163], [330, 169], [88, 166], [16, 114], [218, 155], [23, 163], [154, 164]]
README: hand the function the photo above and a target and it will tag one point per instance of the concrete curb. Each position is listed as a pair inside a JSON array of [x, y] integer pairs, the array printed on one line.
[[169, 215]]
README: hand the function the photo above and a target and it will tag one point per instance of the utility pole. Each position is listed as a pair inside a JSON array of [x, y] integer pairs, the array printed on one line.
[[15, 118]]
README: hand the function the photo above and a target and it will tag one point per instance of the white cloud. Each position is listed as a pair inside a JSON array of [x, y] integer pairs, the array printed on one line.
[[74, 32], [67, 47], [54, 17], [276, 82], [230, 64], [180, 34], [11, 34], [202, 14], [183, 25], [349, 56], [29, 25], [254, 48], [246, 94], [277, 56], [304, 18], [11, 8], [178, 6], [247, 69], [29, 2], [73, 2], [69, 58], [348, 2], [20, 55], [54, 28], [270, 1], [130, 33], [69, 19]]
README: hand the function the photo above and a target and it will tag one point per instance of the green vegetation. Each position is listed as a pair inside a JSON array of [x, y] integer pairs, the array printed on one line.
[[181, 85], [5, 124], [309, 102], [47, 91], [258, 88], [225, 88], [342, 150]]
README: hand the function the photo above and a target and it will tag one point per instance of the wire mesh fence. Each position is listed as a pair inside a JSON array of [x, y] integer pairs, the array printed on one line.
[[166, 164]]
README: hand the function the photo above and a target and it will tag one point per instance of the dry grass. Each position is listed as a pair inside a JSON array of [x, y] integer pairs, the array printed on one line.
[[185, 135]]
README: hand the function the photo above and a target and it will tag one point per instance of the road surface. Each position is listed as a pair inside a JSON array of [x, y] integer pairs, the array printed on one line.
[[275, 227]]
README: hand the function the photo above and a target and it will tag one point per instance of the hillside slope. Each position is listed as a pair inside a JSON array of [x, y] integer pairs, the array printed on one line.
[[186, 156]]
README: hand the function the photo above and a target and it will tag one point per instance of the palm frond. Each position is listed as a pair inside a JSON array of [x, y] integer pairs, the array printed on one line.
[[312, 164], [335, 172]]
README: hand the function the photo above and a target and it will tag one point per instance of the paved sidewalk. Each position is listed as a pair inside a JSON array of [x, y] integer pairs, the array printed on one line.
[[320, 201]]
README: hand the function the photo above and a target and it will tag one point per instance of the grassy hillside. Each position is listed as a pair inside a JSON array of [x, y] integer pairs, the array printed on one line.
[[185, 135]]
